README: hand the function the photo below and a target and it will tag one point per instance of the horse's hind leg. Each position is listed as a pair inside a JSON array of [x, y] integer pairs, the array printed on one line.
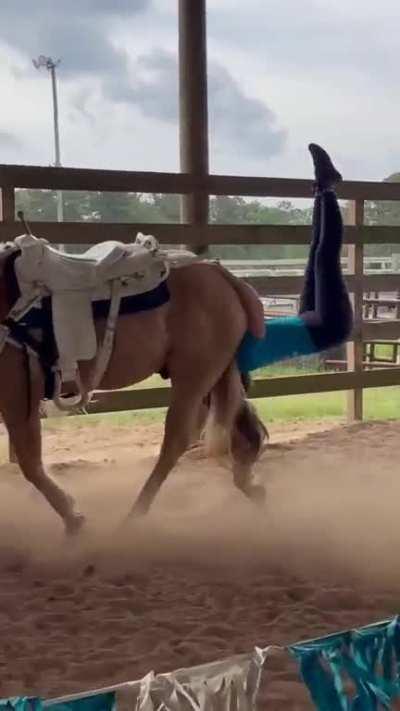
[[225, 400], [25, 437], [234, 427], [247, 440]]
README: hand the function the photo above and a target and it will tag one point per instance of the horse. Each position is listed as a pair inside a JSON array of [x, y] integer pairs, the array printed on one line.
[[192, 339]]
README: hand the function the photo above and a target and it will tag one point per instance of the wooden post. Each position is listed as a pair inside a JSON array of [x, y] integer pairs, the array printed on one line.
[[7, 205], [397, 312], [372, 355], [193, 111], [7, 214], [355, 348], [375, 306]]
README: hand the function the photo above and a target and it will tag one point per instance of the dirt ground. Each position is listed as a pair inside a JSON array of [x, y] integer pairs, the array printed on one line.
[[205, 575]]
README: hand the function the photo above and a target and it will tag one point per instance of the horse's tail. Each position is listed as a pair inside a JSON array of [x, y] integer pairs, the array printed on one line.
[[233, 424], [250, 302], [246, 381], [246, 384]]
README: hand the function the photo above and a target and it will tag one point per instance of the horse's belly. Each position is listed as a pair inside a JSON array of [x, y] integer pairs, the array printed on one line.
[[140, 348]]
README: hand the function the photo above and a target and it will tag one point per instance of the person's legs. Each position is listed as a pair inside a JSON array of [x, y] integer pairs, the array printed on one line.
[[331, 318], [326, 176], [325, 317], [307, 298]]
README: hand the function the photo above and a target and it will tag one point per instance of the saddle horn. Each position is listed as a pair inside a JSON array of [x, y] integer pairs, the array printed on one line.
[[20, 215]]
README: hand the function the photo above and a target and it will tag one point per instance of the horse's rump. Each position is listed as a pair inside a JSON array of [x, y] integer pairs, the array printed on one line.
[[250, 302]]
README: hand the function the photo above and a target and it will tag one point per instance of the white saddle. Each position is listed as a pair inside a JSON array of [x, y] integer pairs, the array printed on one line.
[[109, 270], [141, 263]]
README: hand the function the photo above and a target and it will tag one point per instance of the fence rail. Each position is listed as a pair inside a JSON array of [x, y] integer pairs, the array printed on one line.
[[49, 178], [147, 398], [199, 236], [93, 232]]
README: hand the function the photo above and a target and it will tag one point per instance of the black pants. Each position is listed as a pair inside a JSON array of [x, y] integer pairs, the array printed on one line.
[[325, 304], [325, 316]]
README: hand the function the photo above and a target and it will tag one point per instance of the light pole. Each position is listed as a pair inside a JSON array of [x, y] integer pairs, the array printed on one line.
[[51, 65]]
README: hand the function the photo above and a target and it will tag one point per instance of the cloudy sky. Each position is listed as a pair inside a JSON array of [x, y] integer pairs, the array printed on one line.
[[281, 73]]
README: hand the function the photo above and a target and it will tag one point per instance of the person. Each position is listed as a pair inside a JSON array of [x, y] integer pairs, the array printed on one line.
[[325, 317]]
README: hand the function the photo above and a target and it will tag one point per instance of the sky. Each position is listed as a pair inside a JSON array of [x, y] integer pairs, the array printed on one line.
[[281, 73]]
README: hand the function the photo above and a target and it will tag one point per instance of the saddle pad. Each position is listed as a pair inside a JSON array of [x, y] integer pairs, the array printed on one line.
[[76, 338], [40, 319]]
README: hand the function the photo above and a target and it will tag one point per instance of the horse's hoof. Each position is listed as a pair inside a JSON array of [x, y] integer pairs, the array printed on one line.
[[257, 494], [75, 524], [137, 511]]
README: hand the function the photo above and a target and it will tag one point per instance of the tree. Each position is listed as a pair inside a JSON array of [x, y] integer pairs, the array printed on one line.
[[41, 205], [166, 208], [236, 210], [383, 212]]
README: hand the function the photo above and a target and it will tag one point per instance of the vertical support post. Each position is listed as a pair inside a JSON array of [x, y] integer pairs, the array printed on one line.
[[355, 347], [57, 163], [375, 308], [193, 110], [7, 205], [7, 214], [372, 355], [397, 312]]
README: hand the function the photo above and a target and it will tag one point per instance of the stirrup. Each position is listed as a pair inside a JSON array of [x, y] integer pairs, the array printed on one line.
[[69, 402]]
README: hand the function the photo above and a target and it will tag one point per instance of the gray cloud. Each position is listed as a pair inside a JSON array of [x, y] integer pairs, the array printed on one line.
[[79, 105], [239, 122], [236, 120], [9, 141], [77, 32], [155, 89], [80, 32], [75, 7], [314, 37]]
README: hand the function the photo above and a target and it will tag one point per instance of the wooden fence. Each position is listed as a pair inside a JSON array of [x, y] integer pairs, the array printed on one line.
[[200, 187], [289, 267]]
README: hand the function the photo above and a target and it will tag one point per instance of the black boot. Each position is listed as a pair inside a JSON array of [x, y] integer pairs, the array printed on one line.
[[326, 175]]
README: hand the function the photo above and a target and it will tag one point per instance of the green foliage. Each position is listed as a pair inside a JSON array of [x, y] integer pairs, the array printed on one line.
[[236, 210], [41, 205], [37, 204], [87, 206], [383, 212]]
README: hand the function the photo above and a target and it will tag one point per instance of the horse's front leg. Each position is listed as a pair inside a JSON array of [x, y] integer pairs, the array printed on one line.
[[197, 442], [21, 390], [180, 425], [25, 438]]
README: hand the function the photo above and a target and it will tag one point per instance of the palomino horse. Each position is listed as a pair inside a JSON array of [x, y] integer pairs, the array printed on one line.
[[193, 338]]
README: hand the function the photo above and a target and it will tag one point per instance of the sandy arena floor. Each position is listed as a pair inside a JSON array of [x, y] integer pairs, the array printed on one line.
[[204, 576]]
